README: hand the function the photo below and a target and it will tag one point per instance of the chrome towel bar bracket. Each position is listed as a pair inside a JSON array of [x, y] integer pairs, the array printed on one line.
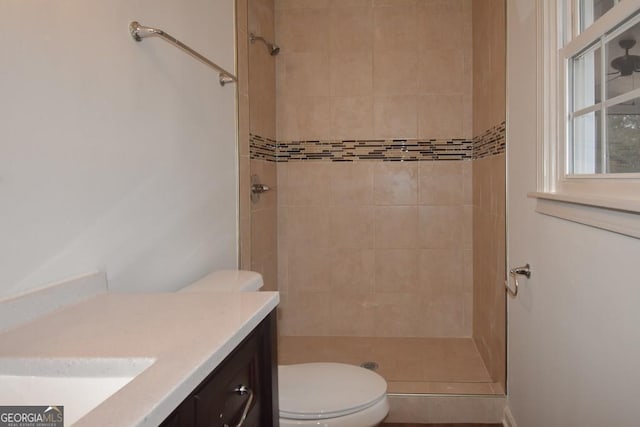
[[524, 270], [138, 32]]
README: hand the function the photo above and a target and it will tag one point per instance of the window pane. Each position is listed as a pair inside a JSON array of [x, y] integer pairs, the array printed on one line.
[[590, 10], [587, 144], [586, 78], [623, 72], [623, 137]]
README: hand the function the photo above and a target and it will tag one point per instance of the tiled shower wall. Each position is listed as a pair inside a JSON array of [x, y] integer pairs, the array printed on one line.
[[244, 168], [489, 320], [375, 248], [257, 116], [371, 247]]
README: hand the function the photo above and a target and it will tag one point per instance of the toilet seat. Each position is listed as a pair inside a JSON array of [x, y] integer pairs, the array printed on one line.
[[312, 391]]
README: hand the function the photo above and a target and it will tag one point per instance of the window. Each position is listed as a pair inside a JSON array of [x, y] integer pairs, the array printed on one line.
[[604, 102], [590, 105]]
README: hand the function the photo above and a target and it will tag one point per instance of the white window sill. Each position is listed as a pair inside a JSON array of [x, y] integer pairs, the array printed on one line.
[[618, 215]]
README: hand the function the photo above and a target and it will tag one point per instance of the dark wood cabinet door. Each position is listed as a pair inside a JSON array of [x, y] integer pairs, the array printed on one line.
[[245, 380]]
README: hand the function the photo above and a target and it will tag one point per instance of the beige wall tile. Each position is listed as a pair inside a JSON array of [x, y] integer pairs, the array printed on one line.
[[245, 242], [357, 75], [349, 3], [302, 30], [395, 27], [395, 183], [307, 227], [445, 409], [395, 73], [303, 117], [439, 227], [286, 322], [442, 71], [352, 270], [445, 318], [396, 3], [301, 4], [262, 107], [441, 116], [468, 313], [261, 18], [436, 19], [396, 227], [242, 15], [441, 273], [263, 234], [243, 125], [244, 181], [282, 172], [350, 74], [467, 227], [488, 64], [304, 74], [398, 315], [441, 183], [268, 269], [351, 314], [396, 270], [307, 184], [309, 313], [352, 117], [352, 183], [489, 302], [467, 182], [242, 67], [351, 29], [351, 227], [467, 280], [283, 267], [395, 116], [266, 172], [308, 270]]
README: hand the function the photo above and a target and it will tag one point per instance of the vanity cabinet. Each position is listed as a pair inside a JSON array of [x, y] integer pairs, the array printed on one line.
[[246, 380]]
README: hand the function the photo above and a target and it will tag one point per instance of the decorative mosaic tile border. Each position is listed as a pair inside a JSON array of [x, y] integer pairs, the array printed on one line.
[[491, 143], [261, 148], [385, 150]]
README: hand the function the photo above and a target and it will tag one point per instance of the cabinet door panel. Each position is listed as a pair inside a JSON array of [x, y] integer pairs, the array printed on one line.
[[216, 403]]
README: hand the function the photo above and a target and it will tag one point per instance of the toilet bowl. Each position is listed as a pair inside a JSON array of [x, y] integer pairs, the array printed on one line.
[[331, 395], [313, 394]]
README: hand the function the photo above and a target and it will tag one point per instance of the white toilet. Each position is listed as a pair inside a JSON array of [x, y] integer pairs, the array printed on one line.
[[313, 394]]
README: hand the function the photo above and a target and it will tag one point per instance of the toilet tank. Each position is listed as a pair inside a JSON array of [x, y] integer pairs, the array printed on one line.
[[227, 281]]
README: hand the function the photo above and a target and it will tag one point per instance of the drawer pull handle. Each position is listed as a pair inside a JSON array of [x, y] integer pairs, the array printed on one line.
[[242, 390]]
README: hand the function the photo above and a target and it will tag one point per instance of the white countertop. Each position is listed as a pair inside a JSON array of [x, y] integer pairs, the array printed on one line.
[[188, 335]]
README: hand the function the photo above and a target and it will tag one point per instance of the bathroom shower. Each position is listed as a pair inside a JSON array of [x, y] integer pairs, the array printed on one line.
[[392, 261], [273, 48]]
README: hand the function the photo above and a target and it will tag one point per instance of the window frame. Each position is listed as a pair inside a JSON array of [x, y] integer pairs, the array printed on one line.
[[607, 196]]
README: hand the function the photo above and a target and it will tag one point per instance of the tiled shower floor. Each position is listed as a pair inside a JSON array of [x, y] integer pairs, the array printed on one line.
[[410, 365]]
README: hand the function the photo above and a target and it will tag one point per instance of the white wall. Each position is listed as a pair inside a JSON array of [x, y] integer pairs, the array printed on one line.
[[115, 155], [574, 340]]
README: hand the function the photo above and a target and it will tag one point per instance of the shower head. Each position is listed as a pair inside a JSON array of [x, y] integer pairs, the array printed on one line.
[[273, 48]]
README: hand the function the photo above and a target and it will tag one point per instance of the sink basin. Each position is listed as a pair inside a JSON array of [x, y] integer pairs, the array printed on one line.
[[77, 384]]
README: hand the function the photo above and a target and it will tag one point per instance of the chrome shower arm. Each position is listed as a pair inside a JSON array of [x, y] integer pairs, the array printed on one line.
[[273, 48]]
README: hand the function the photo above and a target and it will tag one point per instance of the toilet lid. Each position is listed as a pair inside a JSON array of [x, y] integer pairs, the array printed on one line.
[[327, 390]]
